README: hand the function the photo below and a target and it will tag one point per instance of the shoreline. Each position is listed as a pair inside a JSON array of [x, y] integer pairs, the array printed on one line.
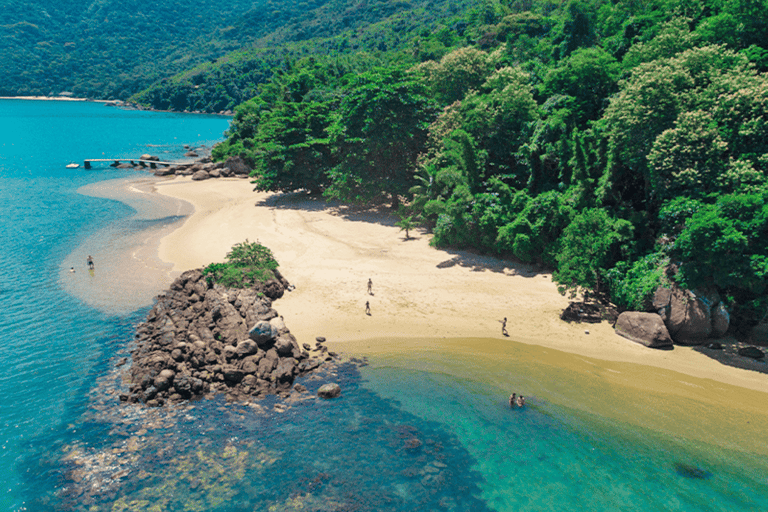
[[329, 251], [52, 98]]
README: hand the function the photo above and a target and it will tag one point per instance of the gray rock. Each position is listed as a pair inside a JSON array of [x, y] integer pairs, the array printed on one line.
[[329, 391], [278, 325], [200, 176], [262, 333], [232, 373], [284, 346], [758, 335], [645, 328], [752, 352], [238, 166], [689, 319], [246, 348], [720, 320]]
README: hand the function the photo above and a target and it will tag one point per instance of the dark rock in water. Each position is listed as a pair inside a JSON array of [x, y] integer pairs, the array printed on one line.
[[714, 346], [689, 471], [201, 338], [329, 391], [753, 352], [191, 154]]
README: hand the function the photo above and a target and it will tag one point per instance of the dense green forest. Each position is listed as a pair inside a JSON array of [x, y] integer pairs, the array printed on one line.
[[622, 143], [112, 49]]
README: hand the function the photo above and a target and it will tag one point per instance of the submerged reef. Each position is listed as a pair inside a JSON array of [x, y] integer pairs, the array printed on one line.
[[202, 339]]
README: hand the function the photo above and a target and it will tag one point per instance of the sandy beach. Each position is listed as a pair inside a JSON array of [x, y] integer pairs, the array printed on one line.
[[420, 294], [432, 310]]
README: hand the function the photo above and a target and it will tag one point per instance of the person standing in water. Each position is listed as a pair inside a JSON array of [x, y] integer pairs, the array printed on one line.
[[90, 262], [512, 400]]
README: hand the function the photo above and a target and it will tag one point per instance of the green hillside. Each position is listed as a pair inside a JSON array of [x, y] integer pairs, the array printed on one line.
[[115, 48]]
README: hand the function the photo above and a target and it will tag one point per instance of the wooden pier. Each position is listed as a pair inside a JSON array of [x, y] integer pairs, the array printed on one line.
[[116, 161]]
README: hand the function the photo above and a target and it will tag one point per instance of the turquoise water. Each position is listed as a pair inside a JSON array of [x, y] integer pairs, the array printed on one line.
[[399, 439]]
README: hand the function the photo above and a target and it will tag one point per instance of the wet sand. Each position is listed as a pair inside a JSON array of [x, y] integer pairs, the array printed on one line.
[[128, 273]]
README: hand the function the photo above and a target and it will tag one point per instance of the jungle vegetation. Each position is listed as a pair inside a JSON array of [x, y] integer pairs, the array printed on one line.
[[623, 144]]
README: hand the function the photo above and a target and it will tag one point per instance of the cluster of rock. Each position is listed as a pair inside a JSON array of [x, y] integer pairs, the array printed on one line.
[[205, 169], [679, 316], [202, 339]]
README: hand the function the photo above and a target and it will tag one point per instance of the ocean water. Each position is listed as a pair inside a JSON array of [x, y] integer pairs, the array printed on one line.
[[422, 431]]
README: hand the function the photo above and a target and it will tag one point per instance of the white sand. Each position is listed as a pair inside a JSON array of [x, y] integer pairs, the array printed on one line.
[[421, 294]]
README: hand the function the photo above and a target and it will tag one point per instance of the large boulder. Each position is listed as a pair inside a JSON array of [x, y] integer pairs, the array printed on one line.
[[691, 317], [262, 333], [645, 328], [329, 391], [720, 320], [237, 166], [200, 175]]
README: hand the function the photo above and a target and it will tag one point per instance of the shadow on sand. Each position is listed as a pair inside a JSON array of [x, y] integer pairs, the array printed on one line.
[[726, 351], [479, 263], [384, 215], [305, 201]]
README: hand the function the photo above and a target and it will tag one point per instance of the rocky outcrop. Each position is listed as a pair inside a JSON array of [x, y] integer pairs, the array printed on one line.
[[691, 317], [205, 169], [328, 391], [201, 339], [645, 328]]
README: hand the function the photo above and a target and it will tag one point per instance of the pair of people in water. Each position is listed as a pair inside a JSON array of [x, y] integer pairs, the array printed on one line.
[[516, 401], [88, 261]]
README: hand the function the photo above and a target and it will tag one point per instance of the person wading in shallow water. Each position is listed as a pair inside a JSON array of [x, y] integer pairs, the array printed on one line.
[[512, 400], [520, 401], [90, 262], [367, 308]]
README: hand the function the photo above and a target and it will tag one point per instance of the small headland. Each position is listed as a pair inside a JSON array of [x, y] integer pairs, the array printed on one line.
[[201, 339]]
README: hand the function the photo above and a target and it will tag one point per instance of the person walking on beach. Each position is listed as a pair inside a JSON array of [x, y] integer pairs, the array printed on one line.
[[367, 308], [90, 262], [370, 286], [504, 327]]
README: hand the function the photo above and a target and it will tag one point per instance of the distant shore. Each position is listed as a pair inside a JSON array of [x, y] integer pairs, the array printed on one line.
[[52, 98]]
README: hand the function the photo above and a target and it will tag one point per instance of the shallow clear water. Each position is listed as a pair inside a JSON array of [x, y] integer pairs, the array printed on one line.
[[424, 432]]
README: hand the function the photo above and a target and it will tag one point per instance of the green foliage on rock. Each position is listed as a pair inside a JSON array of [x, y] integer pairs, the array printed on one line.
[[248, 264]]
